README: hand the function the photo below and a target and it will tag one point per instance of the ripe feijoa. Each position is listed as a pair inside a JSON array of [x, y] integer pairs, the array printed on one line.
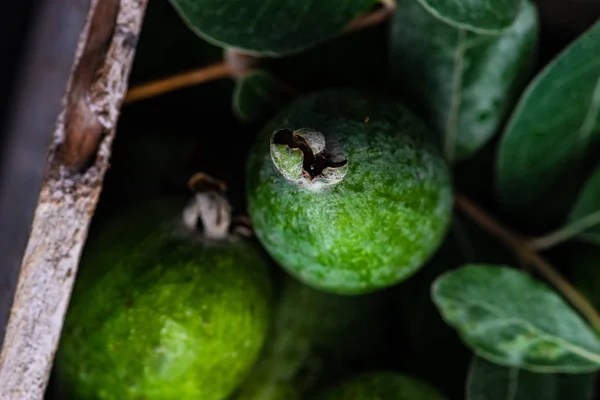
[[381, 385], [348, 192], [164, 312]]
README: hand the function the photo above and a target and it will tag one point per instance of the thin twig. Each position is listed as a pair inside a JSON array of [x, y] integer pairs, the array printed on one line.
[[186, 79], [229, 69], [523, 250], [566, 233]]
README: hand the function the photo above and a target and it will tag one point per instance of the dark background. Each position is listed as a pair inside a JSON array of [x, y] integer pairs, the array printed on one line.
[[192, 123]]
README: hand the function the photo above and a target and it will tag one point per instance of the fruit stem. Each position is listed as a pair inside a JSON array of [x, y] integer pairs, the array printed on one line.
[[523, 250], [210, 205]]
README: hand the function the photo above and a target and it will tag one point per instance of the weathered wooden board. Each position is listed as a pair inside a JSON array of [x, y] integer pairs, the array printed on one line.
[[79, 134]]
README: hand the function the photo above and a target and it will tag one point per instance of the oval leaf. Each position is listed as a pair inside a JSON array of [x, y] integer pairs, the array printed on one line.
[[585, 215], [483, 16], [463, 83], [545, 141], [256, 95], [488, 381], [269, 27], [509, 318]]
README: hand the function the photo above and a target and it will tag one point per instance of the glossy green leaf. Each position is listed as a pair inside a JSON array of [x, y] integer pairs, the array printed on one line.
[[586, 212], [508, 318], [488, 381], [270, 27], [549, 135], [256, 95], [483, 16], [463, 83]]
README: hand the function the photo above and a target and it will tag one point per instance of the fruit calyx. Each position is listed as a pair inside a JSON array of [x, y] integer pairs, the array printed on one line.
[[210, 206], [305, 157]]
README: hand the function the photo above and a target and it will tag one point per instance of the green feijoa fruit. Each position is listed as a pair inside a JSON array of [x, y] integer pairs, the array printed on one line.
[[381, 385], [316, 337], [164, 312], [348, 192]]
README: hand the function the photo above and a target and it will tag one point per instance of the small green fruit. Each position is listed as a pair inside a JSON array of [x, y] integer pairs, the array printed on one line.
[[347, 191], [163, 313], [381, 385]]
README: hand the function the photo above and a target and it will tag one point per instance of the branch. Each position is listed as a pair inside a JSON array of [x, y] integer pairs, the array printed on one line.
[[179, 81], [237, 64], [523, 250], [375, 18], [78, 158]]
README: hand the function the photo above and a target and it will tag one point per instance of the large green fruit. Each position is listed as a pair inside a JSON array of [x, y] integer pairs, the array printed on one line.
[[158, 312], [347, 191], [381, 386]]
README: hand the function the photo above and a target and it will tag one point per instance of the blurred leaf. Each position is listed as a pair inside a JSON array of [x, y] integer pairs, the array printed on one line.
[[274, 27], [586, 212], [483, 16], [256, 95], [488, 381], [546, 142], [508, 318], [462, 83]]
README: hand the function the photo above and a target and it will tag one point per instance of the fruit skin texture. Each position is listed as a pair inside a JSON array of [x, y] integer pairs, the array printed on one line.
[[381, 385], [375, 227], [171, 316], [316, 337]]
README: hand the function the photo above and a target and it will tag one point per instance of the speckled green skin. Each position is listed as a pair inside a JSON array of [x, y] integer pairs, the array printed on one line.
[[381, 386], [173, 317], [316, 337], [377, 226]]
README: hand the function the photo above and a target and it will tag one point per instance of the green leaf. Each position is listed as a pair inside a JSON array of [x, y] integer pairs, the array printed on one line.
[[488, 381], [270, 27], [462, 82], [508, 318], [481, 16], [256, 95], [547, 140], [586, 212]]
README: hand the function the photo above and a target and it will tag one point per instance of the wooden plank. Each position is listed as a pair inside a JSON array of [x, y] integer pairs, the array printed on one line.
[[77, 161], [45, 66]]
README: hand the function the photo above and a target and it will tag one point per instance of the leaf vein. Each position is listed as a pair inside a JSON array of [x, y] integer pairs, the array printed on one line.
[[582, 352]]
